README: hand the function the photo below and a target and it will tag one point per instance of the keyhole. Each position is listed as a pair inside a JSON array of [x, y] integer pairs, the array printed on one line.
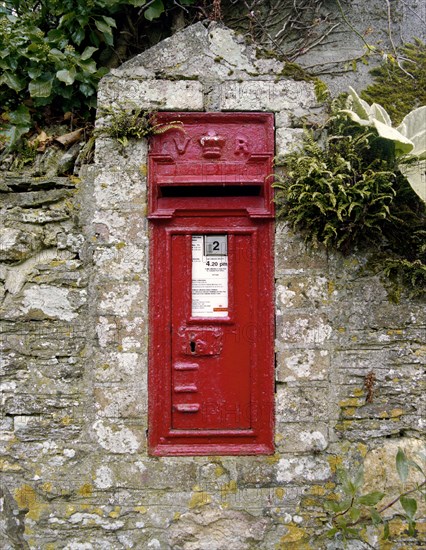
[[192, 347]]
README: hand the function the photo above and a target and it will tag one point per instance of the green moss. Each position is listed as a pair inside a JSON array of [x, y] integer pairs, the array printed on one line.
[[296, 72], [399, 91], [322, 92]]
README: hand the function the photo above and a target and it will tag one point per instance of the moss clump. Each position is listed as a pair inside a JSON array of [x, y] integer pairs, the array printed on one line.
[[296, 72], [397, 91]]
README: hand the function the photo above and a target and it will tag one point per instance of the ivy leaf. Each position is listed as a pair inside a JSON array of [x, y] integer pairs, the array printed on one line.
[[40, 87], [402, 465], [102, 71], [109, 21], [103, 27], [19, 123], [57, 37], [88, 66], [371, 499], [20, 117], [68, 17], [94, 38], [78, 36], [88, 52], [13, 133], [154, 10], [86, 89], [409, 505], [12, 81], [34, 72], [67, 75]]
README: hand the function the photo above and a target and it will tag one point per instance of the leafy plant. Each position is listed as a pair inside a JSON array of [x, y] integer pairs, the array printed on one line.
[[123, 124], [409, 138], [52, 55], [354, 511], [343, 189], [338, 192]]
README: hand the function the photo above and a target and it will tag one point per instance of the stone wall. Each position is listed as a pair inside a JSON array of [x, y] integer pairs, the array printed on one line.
[[75, 470], [328, 41]]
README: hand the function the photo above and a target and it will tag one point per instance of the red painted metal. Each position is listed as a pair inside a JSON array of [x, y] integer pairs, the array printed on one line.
[[211, 378]]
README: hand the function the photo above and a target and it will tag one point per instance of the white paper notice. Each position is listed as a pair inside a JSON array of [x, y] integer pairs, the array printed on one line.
[[209, 276]]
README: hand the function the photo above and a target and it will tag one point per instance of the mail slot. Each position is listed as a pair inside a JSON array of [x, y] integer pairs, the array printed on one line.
[[211, 285]]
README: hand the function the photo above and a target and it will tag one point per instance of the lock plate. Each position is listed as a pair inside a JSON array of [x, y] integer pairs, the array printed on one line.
[[201, 341]]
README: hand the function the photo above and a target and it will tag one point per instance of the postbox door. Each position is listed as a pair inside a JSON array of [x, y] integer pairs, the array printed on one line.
[[213, 361], [212, 378]]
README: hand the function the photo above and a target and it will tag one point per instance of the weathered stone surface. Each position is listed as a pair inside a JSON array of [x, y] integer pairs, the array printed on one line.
[[302, 365], [284, 95], [11, 522], [215, 529], [74, 343], [288, 140], [179, 95], [210, 54]]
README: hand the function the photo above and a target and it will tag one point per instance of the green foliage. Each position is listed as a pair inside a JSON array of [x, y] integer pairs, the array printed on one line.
[[338, 193], [123, 124], [400, 90], [345, 190], [51, 54], [356, 510]]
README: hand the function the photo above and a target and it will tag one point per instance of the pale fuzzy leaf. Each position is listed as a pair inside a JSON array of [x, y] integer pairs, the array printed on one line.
[[356, 118], [359, 106], [379, 113], [413, 127], [402, 144], [416, 175]]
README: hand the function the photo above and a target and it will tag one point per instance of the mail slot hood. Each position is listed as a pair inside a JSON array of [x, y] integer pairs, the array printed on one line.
[[212, 161]]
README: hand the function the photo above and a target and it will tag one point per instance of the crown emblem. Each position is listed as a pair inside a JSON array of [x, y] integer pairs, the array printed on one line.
[[212, 145]]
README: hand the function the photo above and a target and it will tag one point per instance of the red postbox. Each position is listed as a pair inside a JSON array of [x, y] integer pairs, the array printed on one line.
[[211, 383]]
